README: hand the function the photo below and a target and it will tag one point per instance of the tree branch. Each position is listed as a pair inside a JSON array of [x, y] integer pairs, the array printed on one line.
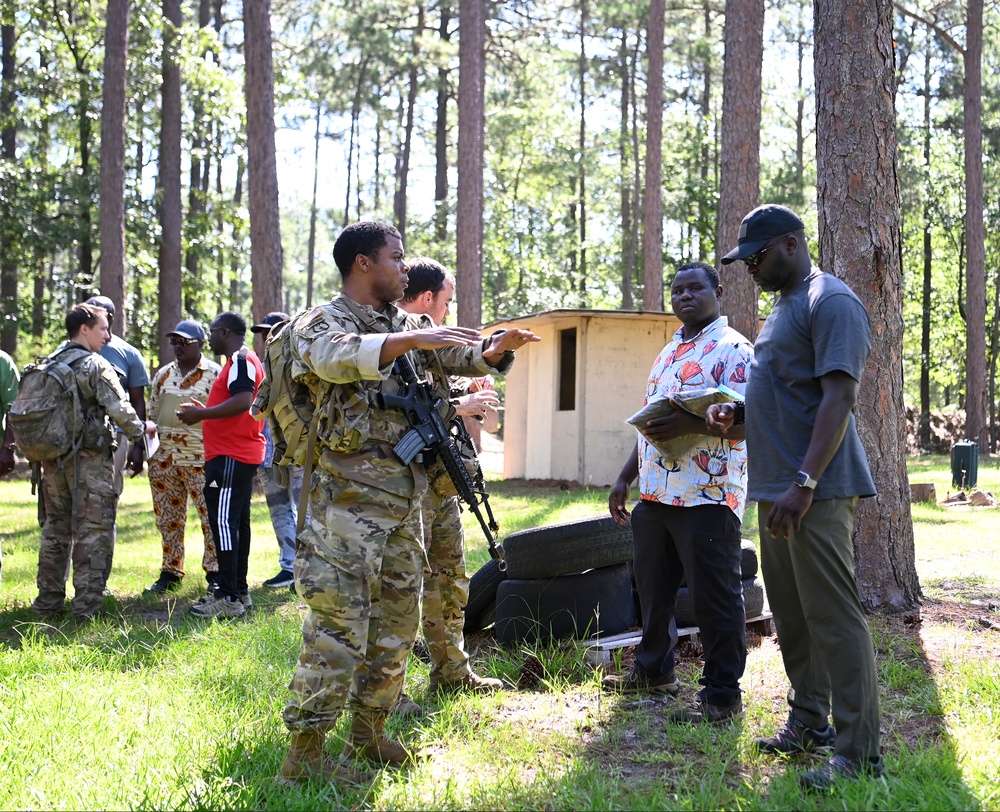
[[930, 24]]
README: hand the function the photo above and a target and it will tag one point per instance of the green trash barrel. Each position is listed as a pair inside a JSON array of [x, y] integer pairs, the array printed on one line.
[[965, 464]]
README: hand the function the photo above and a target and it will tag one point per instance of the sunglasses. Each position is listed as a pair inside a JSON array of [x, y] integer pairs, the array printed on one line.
[[754, 260], [182, 342]]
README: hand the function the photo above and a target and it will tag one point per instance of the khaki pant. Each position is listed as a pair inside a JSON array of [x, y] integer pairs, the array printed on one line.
[[359, 567], [446, 589], [822, 629], [91, 550]]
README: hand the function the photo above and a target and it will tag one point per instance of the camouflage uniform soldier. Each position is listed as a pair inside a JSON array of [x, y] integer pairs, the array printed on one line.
[[359, 561], [429, 292], [91, 474]]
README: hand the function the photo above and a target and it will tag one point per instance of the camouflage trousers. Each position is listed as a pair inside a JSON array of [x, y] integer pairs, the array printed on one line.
[[171, 485], [91, 550], [446, 588], [358, 567]]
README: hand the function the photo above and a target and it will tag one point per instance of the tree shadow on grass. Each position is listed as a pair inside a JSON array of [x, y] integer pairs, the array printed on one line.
[[138, 624], [716, 766], [242, 773]]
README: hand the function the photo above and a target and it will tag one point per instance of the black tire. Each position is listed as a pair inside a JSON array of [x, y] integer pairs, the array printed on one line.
[[568, 547], [483, 596], [748, 560], [579, 605], [753, 601], [753, 596]]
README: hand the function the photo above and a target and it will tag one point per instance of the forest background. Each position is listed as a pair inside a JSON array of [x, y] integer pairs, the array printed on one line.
[[366, 100]]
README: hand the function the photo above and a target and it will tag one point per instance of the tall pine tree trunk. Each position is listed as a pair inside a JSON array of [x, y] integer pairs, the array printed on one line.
[[403, 166], [625, 192], [739, 182], [313, 208], [652, 215], [924, 432], [8, 153], [112, 203], [441, 135], [170, 282], [471, 126], [860, 241], [266, 258], [975, 291]]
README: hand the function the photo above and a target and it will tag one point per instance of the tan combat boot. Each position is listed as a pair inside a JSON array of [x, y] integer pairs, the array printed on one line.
[[367, 740], [307, 760]]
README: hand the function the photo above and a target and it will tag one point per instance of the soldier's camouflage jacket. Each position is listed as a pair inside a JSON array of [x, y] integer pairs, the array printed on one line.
[[339, 343]]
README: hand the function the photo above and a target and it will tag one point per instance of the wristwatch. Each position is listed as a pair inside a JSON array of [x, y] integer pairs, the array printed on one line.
[[803, 480]]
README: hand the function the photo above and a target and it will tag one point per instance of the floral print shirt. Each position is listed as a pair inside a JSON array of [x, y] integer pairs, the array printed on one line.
[[169, 390], [714, 470]]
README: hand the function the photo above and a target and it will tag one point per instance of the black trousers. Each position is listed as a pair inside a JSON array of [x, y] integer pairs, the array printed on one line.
[[228, 488], [701, 543]]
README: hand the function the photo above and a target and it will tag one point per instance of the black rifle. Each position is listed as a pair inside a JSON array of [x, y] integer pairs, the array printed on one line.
[[431, 433]]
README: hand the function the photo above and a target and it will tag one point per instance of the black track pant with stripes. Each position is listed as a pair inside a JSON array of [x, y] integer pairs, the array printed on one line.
[[228, 488]]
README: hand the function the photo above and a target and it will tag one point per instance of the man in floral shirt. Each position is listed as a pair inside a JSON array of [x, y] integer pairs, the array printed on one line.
[[688, 521], [176, 470]]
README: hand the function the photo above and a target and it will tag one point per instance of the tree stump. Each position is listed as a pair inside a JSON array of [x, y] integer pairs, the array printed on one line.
[[922, 492]]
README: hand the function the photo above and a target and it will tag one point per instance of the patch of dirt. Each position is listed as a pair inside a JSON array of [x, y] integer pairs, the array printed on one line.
[[632, 737]]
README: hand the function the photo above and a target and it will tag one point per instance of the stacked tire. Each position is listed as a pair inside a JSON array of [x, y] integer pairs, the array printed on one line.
[[573, 579]]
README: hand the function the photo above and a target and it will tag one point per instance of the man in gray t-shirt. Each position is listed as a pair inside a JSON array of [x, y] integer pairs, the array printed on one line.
[[134, 378], [807, 469]]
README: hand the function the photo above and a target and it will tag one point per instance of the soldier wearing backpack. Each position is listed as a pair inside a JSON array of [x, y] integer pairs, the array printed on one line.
[[79, 498], [359, 561]]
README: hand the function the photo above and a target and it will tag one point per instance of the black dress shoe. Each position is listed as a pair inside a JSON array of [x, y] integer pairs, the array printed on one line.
[[167, 582]]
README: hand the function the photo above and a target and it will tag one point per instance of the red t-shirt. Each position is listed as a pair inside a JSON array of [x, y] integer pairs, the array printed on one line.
[[240, 436]]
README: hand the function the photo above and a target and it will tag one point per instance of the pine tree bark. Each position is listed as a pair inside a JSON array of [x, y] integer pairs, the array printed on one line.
[[652, 215], [471, 126], [112, 203], [739, 180], [403, 165], [313, 206], [8, 263], [625, 192], [860, 242], [441, 134], [924, 431], [266, 259], [170, 258], [976, 427], [198, 173]]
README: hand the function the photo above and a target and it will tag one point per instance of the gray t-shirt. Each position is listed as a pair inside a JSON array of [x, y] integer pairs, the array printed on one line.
[[128, 363], [817, 328]]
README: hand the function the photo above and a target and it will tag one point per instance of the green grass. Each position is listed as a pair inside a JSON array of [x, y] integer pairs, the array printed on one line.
[[148, 708]]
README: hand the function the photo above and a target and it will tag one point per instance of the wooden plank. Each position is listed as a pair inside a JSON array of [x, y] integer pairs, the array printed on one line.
[[762, 624]]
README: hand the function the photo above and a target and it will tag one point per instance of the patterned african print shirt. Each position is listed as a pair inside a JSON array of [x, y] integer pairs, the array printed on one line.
[[169, 390], [713, 471]]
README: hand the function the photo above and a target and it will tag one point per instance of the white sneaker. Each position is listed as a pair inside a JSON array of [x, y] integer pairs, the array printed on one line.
[[219, 606]]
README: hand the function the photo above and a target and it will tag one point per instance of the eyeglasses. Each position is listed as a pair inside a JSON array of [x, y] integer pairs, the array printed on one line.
[[182, 342], [754, 260]]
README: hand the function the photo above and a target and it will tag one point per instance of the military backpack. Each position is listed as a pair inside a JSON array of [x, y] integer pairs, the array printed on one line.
[[287, 404], [47, 415]]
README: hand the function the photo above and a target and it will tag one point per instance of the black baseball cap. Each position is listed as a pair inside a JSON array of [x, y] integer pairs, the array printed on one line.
[[762, 225], [188, 329], [272, 318]]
